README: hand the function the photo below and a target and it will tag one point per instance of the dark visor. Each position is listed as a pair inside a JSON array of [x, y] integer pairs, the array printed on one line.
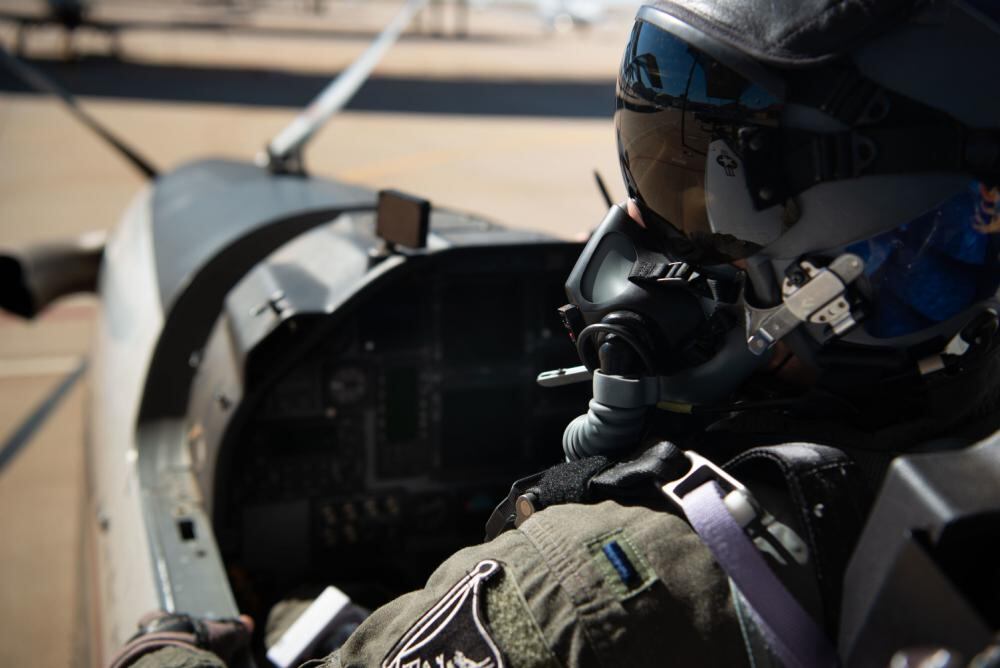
[[679, 112]]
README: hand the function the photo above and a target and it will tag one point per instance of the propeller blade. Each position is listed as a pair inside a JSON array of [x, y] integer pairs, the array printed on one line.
[[34, 78], [38, 417], [284, 152]]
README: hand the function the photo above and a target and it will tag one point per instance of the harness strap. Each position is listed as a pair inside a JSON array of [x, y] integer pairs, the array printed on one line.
[[824, 492], [789, 630], [816, 478]]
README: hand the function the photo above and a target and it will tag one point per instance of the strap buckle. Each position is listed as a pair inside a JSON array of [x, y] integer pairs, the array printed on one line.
[[677, 273], [651, 268], [789, 631], [766, 532], [737, 498]]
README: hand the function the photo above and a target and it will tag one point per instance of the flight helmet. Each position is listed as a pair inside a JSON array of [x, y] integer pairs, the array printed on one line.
[[822, 174]]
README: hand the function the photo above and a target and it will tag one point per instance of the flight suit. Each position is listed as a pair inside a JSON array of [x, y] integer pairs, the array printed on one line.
[[575, 585]]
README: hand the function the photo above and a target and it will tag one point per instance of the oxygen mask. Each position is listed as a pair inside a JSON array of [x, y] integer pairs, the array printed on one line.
[[651, 330]]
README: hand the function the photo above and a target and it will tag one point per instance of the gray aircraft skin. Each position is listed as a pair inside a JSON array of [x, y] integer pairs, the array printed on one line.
[[180, 246]]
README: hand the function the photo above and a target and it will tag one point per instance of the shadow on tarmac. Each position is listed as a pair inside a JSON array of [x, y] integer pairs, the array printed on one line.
[[113, 78]]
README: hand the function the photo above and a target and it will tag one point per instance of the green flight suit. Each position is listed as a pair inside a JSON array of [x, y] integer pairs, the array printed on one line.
[[558, 599]]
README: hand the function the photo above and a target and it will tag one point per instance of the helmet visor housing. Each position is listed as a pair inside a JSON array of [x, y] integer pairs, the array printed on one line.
[[679, 110]]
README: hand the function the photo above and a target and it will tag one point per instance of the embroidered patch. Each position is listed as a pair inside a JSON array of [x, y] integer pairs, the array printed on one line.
[[620, 562], [451, 634], [625, 571]]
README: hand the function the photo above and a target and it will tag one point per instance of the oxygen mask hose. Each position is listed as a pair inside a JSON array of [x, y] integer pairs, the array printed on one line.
[[622, 394]]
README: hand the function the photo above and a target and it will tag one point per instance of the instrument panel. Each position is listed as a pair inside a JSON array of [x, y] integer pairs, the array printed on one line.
[[381, 443]]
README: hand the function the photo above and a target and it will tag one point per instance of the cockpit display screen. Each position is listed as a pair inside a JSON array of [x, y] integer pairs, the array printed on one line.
[[402, 415]]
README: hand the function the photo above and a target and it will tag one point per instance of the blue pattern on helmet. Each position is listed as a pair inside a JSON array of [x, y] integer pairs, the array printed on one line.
[[932, 268]]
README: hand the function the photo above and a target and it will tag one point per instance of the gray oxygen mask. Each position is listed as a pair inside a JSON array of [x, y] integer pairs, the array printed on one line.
[[651, 330]]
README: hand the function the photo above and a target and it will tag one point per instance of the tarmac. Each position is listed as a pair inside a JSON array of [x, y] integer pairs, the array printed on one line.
[[510, 122]]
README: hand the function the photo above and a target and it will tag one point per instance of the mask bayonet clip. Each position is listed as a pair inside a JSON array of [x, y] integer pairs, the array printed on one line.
[[820, 299]]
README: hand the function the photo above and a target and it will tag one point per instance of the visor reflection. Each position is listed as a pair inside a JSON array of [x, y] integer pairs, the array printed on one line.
[[673, 102]]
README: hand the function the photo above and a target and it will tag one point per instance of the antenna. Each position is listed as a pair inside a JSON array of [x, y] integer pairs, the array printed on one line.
[[284, 153]]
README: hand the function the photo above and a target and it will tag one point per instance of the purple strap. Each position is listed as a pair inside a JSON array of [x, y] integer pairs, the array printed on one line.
[[788, 629]]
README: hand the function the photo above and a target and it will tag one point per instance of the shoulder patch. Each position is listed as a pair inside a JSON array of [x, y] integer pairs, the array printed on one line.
[[451, 634]]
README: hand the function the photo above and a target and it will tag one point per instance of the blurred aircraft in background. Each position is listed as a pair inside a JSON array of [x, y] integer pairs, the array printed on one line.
[[566, 14], [71, 15]]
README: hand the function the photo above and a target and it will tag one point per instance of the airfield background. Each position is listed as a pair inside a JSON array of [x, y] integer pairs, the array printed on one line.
[[509, 121]]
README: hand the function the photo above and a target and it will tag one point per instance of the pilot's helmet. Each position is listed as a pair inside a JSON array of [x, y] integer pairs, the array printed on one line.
[[850, 140]]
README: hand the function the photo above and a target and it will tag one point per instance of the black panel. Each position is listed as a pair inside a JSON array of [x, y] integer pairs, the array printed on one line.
[[402, 408], [482, 319], [473, 439], [399, 421]]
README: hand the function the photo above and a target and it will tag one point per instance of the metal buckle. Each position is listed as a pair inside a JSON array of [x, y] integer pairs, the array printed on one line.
[[766, 532], [678, 272], [702, 470]]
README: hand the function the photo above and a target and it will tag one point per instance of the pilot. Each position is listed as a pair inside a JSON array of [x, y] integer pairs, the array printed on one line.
[[804, 279]]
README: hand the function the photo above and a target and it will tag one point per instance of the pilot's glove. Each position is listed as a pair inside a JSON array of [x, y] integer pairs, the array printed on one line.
[[181, 641]]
